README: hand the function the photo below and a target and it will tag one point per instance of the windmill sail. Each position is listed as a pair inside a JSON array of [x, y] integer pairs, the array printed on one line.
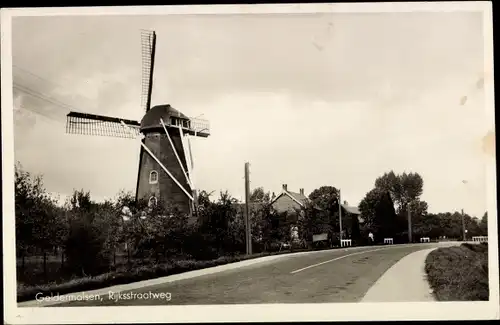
[[99, 125], [148, 45]]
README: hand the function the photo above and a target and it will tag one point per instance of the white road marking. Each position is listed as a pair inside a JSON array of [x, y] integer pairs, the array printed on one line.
[[338, 258]]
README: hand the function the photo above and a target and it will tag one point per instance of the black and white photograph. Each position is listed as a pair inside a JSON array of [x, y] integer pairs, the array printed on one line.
[[265, 162]]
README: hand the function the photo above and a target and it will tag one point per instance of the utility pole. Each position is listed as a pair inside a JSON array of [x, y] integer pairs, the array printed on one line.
[[340, 219], [463, 226], [248, 234], [409, 224]]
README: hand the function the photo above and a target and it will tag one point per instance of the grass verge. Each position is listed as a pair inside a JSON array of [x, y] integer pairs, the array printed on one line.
[[459, 273]]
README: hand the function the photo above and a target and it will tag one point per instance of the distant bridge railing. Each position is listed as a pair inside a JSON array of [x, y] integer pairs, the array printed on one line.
[[345, 242], [480, 239], [388, 241]]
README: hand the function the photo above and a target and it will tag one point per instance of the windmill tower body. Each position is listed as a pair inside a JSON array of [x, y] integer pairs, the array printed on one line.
[[162, 186]]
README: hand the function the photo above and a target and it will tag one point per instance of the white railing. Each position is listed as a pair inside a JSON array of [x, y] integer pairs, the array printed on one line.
[[425, 240], [345, 242], [389, 241], [480, 239]]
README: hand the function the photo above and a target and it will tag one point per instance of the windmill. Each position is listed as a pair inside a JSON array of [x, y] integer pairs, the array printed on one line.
[[165, 162]]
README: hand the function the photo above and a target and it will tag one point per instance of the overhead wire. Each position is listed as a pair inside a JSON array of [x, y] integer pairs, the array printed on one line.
[[38, 95]]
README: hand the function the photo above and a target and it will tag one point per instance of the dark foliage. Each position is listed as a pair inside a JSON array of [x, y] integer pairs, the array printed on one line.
[[459, 273]]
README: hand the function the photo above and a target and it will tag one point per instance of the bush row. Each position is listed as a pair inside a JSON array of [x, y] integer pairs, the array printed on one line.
[[459, 273]]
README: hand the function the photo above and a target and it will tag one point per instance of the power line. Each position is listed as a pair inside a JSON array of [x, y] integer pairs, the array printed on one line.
[[46, 117], [36, 93], [41, 96], [37, 76]]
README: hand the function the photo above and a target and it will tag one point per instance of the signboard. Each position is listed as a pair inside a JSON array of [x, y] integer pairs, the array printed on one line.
[[320, 237]]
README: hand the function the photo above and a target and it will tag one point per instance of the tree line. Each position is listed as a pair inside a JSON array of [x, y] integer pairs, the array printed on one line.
[[96, 237], [395, 197]]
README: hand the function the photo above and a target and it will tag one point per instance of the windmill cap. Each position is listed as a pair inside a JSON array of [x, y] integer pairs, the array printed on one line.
[[151, 119]]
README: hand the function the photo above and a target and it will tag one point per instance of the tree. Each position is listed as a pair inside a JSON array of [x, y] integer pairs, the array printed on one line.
[[377, 208], [325, 200], [262, 224], [355, 228], [39, 221], [451, 224], [260, 196], [472, 226], [313, 221], [216, 218], [427, 225], [483, 225], [404, 188], [89, 227]]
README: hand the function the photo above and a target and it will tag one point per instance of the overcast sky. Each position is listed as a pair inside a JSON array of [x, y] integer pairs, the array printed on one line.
[[308, 100]]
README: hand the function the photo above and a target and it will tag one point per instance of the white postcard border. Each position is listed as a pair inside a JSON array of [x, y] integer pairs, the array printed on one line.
[[257, 313]]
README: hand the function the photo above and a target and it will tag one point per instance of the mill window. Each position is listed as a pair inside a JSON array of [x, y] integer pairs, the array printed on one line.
[[153, 177]]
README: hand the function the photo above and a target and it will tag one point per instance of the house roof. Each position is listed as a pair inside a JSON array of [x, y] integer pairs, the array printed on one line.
[[298, 197]]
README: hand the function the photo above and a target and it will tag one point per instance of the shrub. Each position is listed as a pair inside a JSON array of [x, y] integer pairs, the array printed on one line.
[[85, 249], [459, 273]]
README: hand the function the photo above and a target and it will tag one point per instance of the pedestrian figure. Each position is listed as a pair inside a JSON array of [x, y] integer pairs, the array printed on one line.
[[370, 238]]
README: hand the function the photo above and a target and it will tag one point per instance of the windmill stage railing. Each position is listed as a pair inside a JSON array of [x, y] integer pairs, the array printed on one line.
[[199, 127]]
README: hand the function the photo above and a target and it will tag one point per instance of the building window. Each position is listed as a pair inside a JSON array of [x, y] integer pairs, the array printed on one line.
[[152, 201], [185, 124], [153, 177], [173, 121]]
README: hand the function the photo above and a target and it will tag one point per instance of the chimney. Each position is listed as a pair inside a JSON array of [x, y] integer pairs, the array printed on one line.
[[284, 187], [302, 191]]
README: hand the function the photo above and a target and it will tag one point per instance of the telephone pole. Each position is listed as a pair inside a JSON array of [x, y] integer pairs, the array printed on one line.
[[409, 224], [463, 226], [340, 218], [248, 235]]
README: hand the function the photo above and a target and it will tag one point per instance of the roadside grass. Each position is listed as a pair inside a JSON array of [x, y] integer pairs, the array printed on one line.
[[126, 275], [459, 273]]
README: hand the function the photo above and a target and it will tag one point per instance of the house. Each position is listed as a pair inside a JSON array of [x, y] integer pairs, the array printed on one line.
[[288, 201]]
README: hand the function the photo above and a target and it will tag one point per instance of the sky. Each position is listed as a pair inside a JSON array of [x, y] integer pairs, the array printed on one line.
[[308, 99]]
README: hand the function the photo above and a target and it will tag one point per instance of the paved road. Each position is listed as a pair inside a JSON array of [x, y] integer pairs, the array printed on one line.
[[327, 276]]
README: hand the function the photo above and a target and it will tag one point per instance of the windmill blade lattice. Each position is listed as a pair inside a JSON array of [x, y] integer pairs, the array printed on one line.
[[89, 124], [147, 50]]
